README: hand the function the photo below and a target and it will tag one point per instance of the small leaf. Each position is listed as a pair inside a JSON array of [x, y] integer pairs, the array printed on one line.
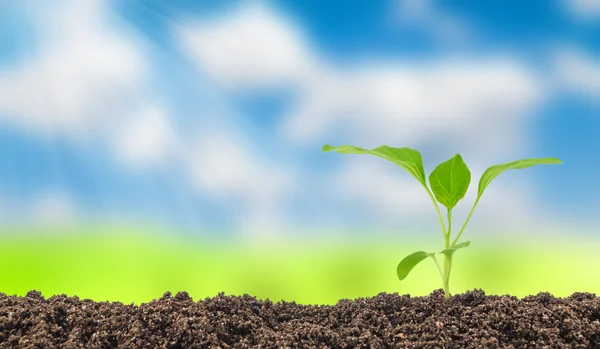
[[409, 262], [450, 181], [449, 251], [407, 158], [494, 171]]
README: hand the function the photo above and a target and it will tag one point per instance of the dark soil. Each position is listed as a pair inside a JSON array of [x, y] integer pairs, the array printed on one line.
[[471, 320]]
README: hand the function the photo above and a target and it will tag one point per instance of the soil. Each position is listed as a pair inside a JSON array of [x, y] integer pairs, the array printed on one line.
[[470, 320]]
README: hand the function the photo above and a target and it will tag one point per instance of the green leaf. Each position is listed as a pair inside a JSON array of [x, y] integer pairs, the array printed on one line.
[[449, 251], [407, 158], [409, 262], [450, 181], [494, 171]]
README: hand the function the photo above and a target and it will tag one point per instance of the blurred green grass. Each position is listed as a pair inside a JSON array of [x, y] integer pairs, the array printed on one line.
[[134, 266]]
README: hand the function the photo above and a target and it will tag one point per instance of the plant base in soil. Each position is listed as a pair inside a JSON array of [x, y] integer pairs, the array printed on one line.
[[470, 320]]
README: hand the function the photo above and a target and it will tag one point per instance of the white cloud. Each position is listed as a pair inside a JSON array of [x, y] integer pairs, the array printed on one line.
[[413, 102], [83, 83], [479, 107], [88, 78], [145, 139], [83, 74], [49, 207], [53, 207], [223, 164], [250, 47], [88, 81], [88, 73], [426, 15], [381, 188], [584, 9], [578, 71], [260, 225], [374, 101]]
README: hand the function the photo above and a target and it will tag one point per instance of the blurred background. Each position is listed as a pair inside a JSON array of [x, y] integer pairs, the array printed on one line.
[[150, 146]]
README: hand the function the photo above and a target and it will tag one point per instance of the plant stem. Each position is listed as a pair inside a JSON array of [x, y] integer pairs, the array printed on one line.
[[447, 267], [438, 267], [467, 221], [437, 210], [448, 257]]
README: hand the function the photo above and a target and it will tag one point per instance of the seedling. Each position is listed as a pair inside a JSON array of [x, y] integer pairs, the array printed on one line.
[[449, 183]]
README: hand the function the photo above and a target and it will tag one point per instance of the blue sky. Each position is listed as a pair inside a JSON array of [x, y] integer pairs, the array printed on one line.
[[206, 117]]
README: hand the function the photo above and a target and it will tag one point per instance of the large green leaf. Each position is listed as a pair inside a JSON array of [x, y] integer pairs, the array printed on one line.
[[450, 181], [409, 262], [449, 251], [407, 158], [494, 171]]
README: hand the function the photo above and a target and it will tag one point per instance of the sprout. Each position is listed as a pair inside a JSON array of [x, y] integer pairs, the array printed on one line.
[[449, 183]]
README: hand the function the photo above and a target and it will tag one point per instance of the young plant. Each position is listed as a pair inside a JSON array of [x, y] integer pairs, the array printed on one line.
[[449, 183]]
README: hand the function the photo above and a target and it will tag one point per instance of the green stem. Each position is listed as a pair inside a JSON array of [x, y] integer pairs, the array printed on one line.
[[438, 267], [467, 221], [447, 260], [437, 209], [448, 257], [447, 268]]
